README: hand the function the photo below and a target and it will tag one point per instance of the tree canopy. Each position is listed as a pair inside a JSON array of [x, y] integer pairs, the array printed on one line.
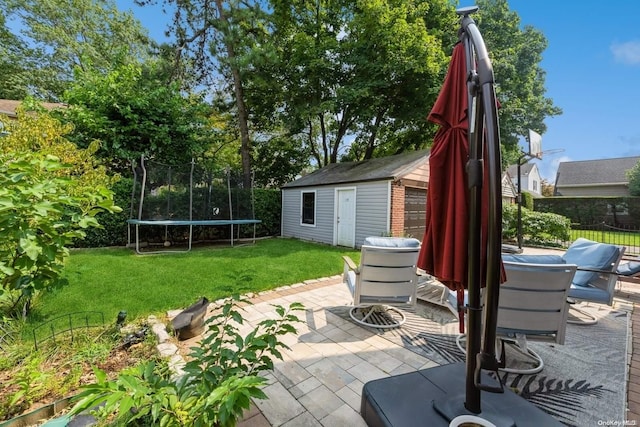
[[63, 36], [273, 87], [132, 113]]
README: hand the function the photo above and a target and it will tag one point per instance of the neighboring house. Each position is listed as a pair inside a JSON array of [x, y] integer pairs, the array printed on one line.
[[344, 203], [530, 179], [509, 190], [8, 107], [606, 177]]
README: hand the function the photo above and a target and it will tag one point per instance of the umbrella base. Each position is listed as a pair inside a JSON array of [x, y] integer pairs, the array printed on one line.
[[435, 396]]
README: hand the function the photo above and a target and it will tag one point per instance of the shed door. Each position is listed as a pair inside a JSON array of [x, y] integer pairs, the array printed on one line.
[[346, 217], [415, 212]]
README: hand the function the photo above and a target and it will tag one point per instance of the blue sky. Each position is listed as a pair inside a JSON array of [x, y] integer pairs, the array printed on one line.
[[593, 67]]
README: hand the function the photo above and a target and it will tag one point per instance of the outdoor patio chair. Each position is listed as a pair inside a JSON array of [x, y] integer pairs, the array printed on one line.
[[386, 278], [629, 271], [532, 306], [596, 277]]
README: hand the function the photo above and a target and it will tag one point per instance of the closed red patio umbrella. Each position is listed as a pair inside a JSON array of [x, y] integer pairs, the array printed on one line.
[[444, 246]]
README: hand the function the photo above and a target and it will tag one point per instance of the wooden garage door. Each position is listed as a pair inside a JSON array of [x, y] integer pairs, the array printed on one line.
[[415, 211]]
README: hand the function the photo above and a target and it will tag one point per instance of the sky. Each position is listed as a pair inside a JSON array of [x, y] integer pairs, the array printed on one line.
[[592, 66]]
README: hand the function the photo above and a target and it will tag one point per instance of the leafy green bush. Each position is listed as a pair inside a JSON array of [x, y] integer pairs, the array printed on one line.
[[527, 200], [537, 227], [268, 208], [113, 230], [219, 380], [50, 193]]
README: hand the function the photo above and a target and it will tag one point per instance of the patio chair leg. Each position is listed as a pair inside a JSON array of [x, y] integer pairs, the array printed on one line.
[[585, 319], [378, 309]]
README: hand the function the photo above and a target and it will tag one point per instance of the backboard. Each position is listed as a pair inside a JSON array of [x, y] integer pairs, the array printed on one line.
[[535, 145]]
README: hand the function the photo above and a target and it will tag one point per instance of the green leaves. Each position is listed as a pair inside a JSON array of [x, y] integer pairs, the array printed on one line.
[[49, 193], [220, 381]]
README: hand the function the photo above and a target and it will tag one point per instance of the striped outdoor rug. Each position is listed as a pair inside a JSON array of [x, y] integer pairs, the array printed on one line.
[[583, 382]]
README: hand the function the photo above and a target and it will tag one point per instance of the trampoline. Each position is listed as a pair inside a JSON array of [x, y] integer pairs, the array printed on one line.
[[168, 202]]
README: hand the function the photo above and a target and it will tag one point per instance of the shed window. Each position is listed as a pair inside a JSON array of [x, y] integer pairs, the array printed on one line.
[[309, 208]]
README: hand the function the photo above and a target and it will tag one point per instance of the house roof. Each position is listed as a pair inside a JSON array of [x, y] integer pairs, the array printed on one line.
[[8, 106], [590, 172], [382, 168], [525, 169]]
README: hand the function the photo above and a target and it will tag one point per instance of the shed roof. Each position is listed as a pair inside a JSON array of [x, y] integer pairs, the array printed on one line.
[[382, 168], [604, 171]]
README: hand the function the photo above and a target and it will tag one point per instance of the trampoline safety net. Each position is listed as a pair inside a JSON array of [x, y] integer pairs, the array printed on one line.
[[188, 202]]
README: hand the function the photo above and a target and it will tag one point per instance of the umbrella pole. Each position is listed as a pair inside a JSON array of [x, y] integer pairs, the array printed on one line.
[[474, 176], [482, 106]]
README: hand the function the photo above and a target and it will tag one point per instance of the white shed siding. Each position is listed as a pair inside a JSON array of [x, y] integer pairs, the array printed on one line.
[[291, 215], [372, 212]]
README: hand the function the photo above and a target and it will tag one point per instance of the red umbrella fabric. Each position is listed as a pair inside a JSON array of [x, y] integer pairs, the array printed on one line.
[[444, 247]]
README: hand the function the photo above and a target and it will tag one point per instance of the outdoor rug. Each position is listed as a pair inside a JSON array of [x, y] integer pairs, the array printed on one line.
[[583, 382]]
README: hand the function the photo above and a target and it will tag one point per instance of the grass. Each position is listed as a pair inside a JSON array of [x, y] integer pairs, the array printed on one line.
[[113, 279], [625, 238]]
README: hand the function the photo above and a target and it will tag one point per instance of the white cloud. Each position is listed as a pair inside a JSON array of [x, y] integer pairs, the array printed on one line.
[[627, 53]]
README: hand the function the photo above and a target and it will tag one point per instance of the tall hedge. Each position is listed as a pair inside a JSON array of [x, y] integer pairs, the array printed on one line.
[[614, 211]]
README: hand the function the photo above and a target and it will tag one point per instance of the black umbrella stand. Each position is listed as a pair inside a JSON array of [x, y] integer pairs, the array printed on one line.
[[436, 396]]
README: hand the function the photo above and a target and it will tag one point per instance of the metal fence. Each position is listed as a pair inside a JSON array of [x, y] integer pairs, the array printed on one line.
[[605, 233], [67, 324]]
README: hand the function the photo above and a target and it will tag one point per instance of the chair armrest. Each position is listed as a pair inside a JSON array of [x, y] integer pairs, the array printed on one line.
[[350, 265], [596, 270]]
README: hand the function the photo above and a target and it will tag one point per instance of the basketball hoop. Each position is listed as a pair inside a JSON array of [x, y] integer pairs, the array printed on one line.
[[535, 145]]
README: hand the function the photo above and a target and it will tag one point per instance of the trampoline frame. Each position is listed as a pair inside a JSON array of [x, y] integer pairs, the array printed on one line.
[[137, 222]]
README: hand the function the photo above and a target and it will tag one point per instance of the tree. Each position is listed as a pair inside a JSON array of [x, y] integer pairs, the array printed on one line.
[[633, 175], [14, 81], [222, 39], [516, 54], [132, 113], [84, 34], [366, 71], [547, 188], [50, 192]]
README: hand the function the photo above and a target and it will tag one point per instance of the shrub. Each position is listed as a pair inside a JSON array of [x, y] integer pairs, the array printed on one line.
[[50, 193], [219, 380], [537, 227], [113, 230], [268, 207]]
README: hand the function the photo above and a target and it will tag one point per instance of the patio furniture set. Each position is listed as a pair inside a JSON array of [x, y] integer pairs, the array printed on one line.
[[535, 300]]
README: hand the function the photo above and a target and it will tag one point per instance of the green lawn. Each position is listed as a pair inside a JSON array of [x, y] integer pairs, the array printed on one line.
[[624, 238], [110, 280]]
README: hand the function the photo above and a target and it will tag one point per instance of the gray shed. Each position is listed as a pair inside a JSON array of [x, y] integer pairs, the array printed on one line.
[[344, 203]]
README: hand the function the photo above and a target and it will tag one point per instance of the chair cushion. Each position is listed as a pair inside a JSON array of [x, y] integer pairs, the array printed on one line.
[[534, 259], [351, 282], [590, 254], [392, 242], [588, 293], [628, 268]]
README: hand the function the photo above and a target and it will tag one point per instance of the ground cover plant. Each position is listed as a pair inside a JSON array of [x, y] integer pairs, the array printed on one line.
[[218, 383], [32, 378]]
